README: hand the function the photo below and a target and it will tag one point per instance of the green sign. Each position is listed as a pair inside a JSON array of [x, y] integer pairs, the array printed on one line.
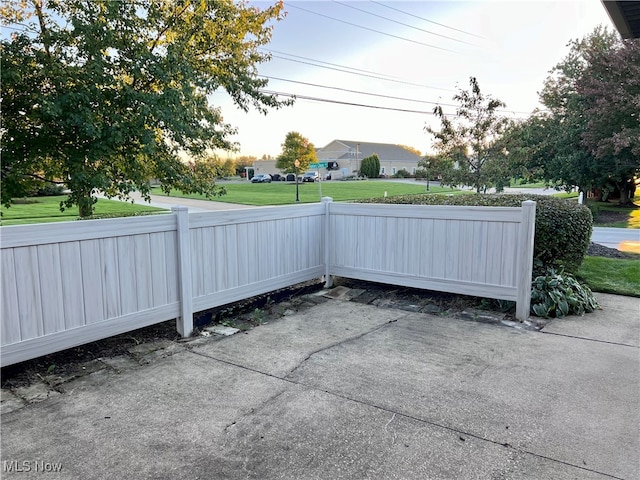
[[319, 165]]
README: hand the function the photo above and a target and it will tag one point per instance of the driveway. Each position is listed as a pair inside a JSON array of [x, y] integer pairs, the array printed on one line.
[[345, 390]]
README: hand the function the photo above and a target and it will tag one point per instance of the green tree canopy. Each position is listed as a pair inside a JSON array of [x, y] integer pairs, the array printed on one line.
[[436, 166], [470, 140], [296, 147], [370, 166], [589, 136], [105, 95]]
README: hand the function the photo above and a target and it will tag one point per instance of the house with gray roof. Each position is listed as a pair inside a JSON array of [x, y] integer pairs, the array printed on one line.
[[348, 155]]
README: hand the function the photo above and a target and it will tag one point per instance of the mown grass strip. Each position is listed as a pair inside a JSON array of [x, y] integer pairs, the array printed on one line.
[[284, 193], [611, 275], [47, 209]]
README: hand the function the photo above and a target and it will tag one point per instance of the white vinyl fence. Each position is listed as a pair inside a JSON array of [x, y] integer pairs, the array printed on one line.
[[66, 284]]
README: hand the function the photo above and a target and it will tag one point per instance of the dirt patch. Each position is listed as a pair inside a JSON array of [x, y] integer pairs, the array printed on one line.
[[608, 217]]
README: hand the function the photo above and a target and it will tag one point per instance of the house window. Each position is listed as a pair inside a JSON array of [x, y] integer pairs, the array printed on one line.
[[383, 170], [393, 171], [413, 170]]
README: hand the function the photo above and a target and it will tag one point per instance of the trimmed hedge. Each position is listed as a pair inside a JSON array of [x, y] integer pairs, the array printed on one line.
[[563, 227]]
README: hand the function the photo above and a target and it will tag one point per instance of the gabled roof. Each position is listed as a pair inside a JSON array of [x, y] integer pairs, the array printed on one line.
[[385, 151]]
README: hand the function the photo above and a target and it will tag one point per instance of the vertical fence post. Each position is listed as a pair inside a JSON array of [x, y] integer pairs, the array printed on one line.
[[184, 324], [328, 280], [525, 259]]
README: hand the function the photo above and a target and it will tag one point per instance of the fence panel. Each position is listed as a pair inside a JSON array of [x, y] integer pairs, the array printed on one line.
[[239, 254], [466, 250], [71, 283]]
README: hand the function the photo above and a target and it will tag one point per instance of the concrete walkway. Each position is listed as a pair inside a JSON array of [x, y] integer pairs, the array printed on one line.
[[194, 205], [351, 391]]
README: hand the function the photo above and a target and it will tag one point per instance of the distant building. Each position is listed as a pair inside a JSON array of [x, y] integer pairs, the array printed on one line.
[[349, 154], [261, 166]]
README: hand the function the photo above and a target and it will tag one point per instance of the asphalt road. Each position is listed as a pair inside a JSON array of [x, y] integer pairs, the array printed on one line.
[[623, 239]]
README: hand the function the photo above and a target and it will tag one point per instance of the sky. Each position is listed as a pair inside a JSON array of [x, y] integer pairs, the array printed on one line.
[[419, 52]]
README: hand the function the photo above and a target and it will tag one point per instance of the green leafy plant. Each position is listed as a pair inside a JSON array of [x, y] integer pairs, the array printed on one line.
[[558, 294], [258, 316], [228, 323]]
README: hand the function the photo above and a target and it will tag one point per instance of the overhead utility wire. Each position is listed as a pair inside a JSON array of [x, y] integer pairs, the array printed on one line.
[[403, 24], [359, 92], [427, 20], [328, 63], [361, 74], [371, 29], [379, 94], [352, 104]]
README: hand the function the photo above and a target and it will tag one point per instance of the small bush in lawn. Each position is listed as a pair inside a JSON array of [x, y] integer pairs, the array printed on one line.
[[48, 189], [563, 228], [558, 294], [402, 173], [421, 174]]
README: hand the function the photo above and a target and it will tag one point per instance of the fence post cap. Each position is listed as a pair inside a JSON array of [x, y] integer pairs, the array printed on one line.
[[327, 199], [179, 208]]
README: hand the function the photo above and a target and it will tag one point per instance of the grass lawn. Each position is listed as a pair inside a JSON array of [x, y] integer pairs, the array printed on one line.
[[47, 209], [284, 193], [611, 275], [566, 195]]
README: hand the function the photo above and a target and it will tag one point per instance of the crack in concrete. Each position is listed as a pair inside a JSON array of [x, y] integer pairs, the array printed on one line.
[[342, 342], [590, 339], [395, 413]]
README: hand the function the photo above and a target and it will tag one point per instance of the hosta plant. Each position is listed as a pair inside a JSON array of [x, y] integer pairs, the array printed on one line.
[[558, 294]]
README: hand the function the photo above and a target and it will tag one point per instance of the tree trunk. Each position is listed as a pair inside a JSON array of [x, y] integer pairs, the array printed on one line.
[[627, 192], [85, 205]]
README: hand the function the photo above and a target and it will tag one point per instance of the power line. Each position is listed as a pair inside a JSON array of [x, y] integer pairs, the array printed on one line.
[[376, 76], [379, 95], [358, 92], [427, 20], [351, 104], [401, 23], [339, 102], [371, 29], [333, 64]]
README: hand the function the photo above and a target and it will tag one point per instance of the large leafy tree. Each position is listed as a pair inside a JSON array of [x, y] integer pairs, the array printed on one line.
[[610, 86], [296, 147], [470, 140], [107, 95], [589, 136]]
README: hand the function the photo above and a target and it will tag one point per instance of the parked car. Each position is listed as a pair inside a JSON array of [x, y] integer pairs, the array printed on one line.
[[291, 177], [261, 178], [311, 177], [276, 177]]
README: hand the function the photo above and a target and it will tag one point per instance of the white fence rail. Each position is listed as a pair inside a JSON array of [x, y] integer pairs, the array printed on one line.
[[71, 283]]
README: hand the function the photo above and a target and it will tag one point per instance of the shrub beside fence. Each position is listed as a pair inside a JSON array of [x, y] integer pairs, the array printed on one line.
[[71, 283]]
